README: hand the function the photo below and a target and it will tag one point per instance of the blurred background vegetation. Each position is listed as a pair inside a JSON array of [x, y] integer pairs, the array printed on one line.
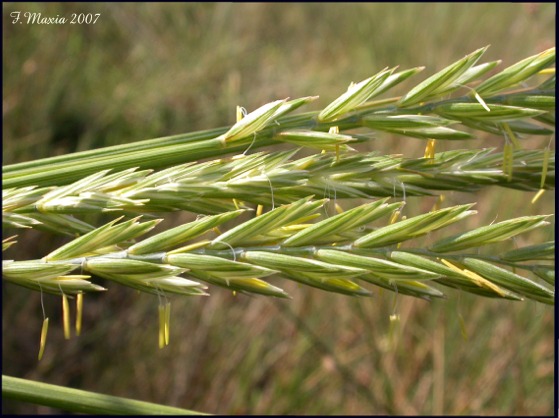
[[154, 69]]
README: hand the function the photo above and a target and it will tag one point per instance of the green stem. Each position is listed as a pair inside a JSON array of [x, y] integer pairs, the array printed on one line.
[[152, 153], [80, 401], [168, 151]]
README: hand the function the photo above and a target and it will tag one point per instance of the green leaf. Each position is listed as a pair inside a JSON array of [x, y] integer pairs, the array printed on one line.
[[516, 73], [37, 270], [17, 197], [330, 229], [70, 189], [47, 277], [382, 268], [423, 263], [440, 132], [451, 278], [253, 122], [387, 121], [261, 228], [8, 242], [510, 280], [440, 81], [55, 223], [334, 284], [180, 234], [405, 287], [14, 220], [546, 273], [291, 105], [246, 285], [517, 126], [147, 277], [104, 236], [128, 267], [413, 227], [489, 234], [353, 97], [545, 251], [315, 139], [282, 262], [418, 126], [471, 74], [548, 84], [217, 266], [532, 101], [395, 79], [80, 401], [477, 112]]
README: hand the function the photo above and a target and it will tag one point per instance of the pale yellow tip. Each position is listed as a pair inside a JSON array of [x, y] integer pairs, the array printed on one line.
[[167, 322], [430, 149], [79, 310], [66, 316], [538, 195], [161, 309], [43, 342]]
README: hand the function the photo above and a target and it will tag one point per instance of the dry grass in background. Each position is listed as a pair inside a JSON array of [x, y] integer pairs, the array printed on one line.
[[150, 70]]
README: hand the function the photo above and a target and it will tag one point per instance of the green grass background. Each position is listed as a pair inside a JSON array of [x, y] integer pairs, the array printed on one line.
[[151, 70]]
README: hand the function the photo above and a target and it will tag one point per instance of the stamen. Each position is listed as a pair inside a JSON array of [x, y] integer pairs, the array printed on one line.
[[167, 322], [430, 149], [161, 309], [43, 342], [66, 316], [79, 310]]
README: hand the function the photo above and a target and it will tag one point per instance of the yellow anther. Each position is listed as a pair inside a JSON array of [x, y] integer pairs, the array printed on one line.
[[430, 149], [43, 342], [66, 316], [79, 311], [167, 322], [161, 309], [510, 134], [438, 203], [507, 161], [259, 210], [394, 217], [336, 130], [393, 330], [338, 208], [538, 195]]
